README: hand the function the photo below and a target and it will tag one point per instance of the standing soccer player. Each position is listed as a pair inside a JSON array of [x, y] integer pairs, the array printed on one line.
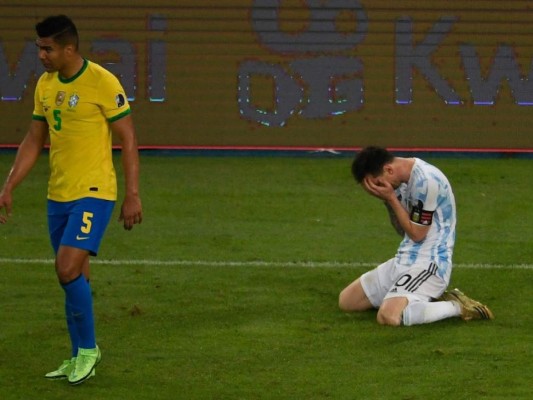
[[78, 105], [421, 207]]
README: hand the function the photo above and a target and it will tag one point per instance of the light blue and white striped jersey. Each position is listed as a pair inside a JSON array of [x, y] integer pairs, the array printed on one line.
[[429, 200]]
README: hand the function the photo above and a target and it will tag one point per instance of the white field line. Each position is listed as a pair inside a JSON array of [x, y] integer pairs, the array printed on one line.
[[286, 264]]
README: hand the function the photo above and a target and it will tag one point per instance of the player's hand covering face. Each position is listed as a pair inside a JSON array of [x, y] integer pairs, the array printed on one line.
[[378, 187]]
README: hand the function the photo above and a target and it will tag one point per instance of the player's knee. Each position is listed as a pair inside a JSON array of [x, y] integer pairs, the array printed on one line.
[[344, 303], [353, 298], [66, 272], [65, 275], [71, 263], [350, 302], [385, 317]]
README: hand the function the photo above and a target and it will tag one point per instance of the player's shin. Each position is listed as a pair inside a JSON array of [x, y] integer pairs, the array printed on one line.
[[78, 295], [421, 312]]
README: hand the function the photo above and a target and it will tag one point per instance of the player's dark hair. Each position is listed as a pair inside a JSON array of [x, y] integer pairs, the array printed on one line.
[[370, 160], [60, 28]]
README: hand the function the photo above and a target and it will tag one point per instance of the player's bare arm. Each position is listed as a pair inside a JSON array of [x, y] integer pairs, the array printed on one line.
[[392, 216], [394, 220], [131, 210], [27, 155], [382, 189]]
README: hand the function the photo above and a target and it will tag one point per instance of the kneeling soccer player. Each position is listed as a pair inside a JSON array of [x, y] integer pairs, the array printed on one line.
[[421, 206]]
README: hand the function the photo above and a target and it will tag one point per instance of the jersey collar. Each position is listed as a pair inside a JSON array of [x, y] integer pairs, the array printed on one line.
[[74, 77]]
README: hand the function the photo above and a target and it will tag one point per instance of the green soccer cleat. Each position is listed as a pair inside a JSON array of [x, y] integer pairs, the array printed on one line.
[[470, 309], [63, 371], [85, 365]]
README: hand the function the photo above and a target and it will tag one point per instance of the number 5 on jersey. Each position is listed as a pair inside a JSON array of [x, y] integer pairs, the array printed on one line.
[[57, 118]]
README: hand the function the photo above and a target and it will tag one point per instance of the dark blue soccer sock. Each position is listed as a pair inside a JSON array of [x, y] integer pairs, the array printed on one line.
[[80, 308], [72, 329]]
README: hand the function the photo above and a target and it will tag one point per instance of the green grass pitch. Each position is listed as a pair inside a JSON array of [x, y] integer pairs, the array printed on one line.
[[228, 289]]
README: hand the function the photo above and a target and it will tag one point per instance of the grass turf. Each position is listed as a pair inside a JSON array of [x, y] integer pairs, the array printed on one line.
[[242, 331]]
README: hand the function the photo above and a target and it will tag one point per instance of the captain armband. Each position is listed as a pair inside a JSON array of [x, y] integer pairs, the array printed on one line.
[[422, 217]]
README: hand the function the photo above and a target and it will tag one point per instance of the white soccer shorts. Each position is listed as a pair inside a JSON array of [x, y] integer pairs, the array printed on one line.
[[418, 282]]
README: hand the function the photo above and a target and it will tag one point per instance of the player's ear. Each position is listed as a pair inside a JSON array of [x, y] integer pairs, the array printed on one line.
[[70, 49], [388, 169]]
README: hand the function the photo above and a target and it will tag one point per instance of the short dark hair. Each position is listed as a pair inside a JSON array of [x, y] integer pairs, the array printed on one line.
[[370, 160], [60, 28]]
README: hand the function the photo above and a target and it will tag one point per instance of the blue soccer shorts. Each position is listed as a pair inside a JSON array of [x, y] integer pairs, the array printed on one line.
[[79, 223]]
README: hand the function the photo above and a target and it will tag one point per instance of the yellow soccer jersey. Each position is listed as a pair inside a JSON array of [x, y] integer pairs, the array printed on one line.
[[78, 112]]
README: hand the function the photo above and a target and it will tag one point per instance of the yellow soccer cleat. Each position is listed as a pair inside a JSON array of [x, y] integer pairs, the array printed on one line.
[[470, 309]]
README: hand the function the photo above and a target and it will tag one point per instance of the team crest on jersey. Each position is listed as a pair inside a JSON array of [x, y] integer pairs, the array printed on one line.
[[73, 101], [60, 97]]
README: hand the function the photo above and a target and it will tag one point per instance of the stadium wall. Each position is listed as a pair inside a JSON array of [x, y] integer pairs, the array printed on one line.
[[296, 73]]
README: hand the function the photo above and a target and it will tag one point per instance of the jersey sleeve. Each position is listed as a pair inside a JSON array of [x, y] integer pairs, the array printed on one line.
[[113, 98], [38, 110], [424, 202]]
